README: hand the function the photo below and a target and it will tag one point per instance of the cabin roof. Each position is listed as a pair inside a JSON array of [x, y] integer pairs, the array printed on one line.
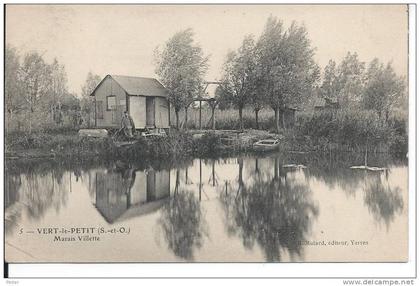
[[134, 85]]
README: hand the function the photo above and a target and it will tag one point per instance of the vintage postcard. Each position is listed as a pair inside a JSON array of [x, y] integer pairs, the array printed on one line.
[[206, 133]]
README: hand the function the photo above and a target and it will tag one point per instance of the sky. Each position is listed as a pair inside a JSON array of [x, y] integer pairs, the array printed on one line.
[[120, 39]]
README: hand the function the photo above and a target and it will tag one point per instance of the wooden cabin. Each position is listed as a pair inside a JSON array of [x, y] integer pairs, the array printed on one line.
[[289, 117], [145, 99], [325, 104]]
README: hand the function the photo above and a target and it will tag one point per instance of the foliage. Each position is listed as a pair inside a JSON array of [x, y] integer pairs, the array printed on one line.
[[239, 76], [208, 144], [181, 67], [13, 91], [344, 83], [36, 92], [87, 104], [287, 70], [383, 88], [183, 225], [350, 80], [352, 129]]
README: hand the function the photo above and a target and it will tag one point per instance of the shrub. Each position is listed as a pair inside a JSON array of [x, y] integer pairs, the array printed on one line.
[[207, 144], [352, 129]]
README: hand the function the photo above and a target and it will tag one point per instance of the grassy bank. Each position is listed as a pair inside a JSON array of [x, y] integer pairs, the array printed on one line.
[[69, 145], [345, 130]]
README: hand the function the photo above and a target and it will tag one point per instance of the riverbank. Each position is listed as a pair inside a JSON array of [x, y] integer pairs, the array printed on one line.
[[177, 143], [197, 143]]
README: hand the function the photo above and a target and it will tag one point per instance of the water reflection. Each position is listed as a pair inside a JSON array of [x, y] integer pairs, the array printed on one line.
[[182, 221], [276, 212], [35, 194], [125, 192], [383, 201], [251, 200]]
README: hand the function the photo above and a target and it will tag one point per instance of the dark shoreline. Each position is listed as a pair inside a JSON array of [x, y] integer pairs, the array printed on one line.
[[178, 144]]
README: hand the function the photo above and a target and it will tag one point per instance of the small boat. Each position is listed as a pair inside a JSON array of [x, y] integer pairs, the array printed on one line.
[[294, 166], [368, 168], [124, 143], [266, 145]]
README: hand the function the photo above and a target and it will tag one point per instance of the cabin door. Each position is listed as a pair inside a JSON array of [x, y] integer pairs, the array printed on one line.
[[150, 111], [137, 110]]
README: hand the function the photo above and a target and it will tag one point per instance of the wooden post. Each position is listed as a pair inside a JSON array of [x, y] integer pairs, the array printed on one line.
[[169, 114], [213, 175], [199, 195], [94, 102]]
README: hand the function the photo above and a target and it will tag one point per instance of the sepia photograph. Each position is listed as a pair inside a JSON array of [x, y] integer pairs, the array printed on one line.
[[206, 133]]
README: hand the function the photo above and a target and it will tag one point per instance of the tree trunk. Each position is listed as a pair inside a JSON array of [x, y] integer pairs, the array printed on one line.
[[10, 122], [257, 125], [276, 113], [240, 176], [213, 121], [176, 181], [366, 152], [241, 124], [186, 118], [283, 119], [88, 119], [177, 118]]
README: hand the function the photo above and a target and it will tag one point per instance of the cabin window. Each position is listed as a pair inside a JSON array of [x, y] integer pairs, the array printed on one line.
[[100, 110], [110, 102]]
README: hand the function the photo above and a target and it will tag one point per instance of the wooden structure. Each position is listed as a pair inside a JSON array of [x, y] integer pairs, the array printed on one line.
[[325, 104], [145, 99], [211, 101], [289, 117]]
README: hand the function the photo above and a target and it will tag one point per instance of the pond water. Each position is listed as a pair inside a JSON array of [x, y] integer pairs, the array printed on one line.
[[250, 208]]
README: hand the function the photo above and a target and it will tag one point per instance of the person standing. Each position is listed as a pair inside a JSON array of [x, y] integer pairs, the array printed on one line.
[[127, 124]]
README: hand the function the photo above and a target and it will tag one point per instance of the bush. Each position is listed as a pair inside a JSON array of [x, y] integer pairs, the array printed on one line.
[[352, 129], [207, 144]]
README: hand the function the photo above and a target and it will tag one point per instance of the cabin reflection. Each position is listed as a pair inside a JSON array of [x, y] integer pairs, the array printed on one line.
[[127, 193]]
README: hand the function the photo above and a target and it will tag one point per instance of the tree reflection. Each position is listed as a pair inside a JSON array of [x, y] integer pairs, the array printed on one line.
[[383, 201], [11, 197], [274, 212], [182, 222], [34, 194]]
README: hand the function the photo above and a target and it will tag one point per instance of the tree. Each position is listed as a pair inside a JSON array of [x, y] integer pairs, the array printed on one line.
[[181, 67], [350, 80], [92, 80], [222, 98], [287, 70], [383, 88], [239, 74], [329, 88], [257, 98], [35, 76], [58, 88], [14, 100]]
